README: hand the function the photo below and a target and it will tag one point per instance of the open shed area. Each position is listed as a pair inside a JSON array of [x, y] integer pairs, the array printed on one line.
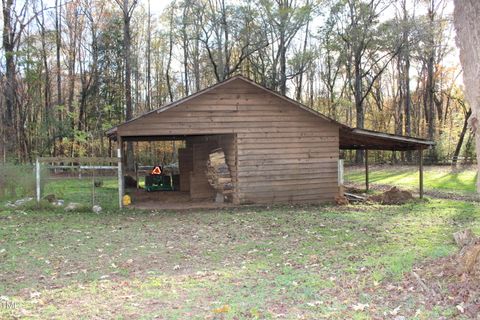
[[273, 149]]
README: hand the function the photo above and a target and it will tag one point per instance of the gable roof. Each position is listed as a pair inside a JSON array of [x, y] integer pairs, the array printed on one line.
[[176, 103], [350, 138]]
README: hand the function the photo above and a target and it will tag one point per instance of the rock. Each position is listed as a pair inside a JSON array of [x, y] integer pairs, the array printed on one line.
[[97, 209], [21, 202], [50, 198], [9, 204], [58, 203], [72, 206]]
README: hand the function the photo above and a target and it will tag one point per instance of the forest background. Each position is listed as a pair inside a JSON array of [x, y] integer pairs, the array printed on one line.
[[72, 69]]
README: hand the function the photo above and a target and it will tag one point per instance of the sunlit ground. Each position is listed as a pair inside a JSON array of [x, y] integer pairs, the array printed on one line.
[[435, 177]]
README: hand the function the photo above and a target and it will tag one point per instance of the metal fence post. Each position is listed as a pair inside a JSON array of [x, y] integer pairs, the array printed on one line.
[[37, 179], [120, 179]]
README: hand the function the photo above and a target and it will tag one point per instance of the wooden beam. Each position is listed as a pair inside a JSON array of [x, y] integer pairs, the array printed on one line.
[[420, 156], [367, 187]]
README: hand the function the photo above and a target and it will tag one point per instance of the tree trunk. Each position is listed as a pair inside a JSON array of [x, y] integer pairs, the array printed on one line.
[[456, 153], [358, 102], [127, 15], [468, 39], [10, 85], [149, 45], [302, 66]]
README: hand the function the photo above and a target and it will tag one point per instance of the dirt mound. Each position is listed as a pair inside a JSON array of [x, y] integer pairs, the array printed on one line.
[[392, 196], [354, 190]]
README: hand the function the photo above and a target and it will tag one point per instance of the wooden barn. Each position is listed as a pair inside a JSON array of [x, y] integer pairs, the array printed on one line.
[[276, 149]]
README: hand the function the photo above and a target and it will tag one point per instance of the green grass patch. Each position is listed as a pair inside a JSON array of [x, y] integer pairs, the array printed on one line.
[[435, 178], [249, 263]]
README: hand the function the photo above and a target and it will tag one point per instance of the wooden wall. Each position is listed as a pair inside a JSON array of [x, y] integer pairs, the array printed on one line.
[[185, 166], [279, 152]]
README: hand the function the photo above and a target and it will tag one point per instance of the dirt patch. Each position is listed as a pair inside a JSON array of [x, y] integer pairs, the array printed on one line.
[[392, 196], [455, 280], [448, 285]]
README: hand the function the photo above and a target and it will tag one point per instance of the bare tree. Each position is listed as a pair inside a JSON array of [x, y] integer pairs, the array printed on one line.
[[127, 8]]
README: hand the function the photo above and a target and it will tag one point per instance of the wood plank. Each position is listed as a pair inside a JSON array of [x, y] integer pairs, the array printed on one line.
[[318, 132], [154, 130], [318, 150], [229, 112], [288, 145], [278, 140], [329, 198], [315, 155], [221, 120], [282, 185], [279, 193], [281, 168], [278, 161], [319, 175]]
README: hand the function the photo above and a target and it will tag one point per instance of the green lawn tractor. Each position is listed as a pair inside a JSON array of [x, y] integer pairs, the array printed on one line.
[[157, 181]]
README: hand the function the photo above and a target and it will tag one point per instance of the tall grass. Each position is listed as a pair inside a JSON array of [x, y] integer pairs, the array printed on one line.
[[17, 181]]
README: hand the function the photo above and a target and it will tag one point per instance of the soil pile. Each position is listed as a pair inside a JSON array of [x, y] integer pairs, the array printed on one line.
[[392, 196]]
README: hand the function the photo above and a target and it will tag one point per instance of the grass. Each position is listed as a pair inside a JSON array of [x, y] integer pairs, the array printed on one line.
[[308, 262], [72, 189], [435, 178]]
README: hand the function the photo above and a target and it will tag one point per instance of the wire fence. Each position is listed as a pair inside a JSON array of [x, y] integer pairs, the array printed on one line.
[[83, 181]]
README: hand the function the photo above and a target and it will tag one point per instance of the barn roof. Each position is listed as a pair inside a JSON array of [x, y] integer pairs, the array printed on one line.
[[350, 138]]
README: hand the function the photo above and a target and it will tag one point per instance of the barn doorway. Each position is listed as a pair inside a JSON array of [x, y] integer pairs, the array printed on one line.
[[183, 182]]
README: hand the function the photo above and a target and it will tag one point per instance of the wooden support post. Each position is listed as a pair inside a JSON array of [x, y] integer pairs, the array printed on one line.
[[367, 187], [121, 187], [420, 159], [37, 179]]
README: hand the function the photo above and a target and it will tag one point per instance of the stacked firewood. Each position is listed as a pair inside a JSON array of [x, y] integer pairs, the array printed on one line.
[[218, 173]]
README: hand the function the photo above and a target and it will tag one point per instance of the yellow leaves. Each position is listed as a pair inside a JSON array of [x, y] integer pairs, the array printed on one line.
[[223, 309]]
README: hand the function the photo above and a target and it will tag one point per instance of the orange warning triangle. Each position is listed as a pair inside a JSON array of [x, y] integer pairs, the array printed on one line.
[[157, 170]]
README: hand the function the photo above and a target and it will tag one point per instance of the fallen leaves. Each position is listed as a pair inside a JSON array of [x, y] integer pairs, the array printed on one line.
[[223, 309], [360, 306]]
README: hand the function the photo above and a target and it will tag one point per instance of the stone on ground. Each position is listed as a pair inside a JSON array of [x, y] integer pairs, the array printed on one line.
[[72, 206]]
